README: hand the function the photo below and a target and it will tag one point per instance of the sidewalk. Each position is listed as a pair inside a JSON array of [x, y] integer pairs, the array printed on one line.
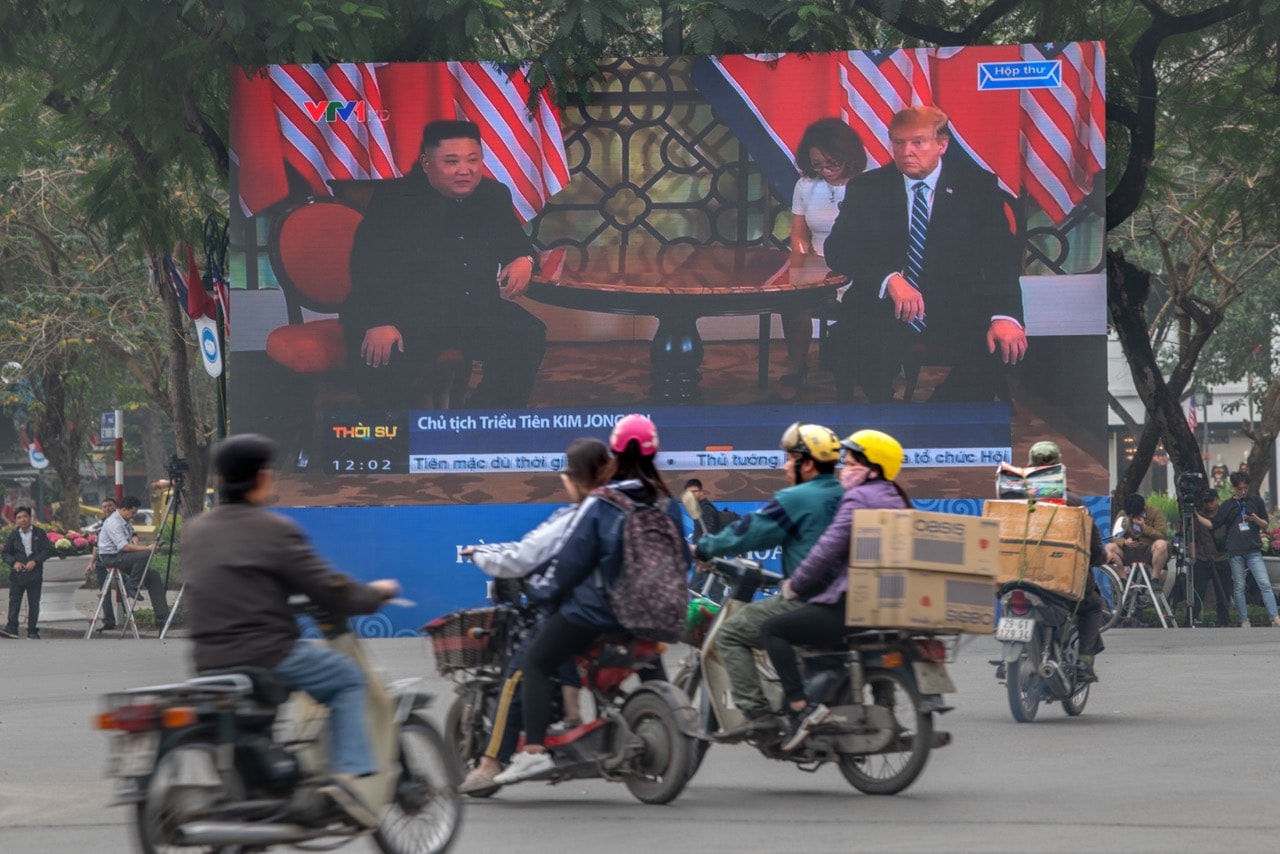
[[86, 600]]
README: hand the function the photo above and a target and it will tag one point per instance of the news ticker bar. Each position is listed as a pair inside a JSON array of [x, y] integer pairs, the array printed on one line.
[[923, 458]]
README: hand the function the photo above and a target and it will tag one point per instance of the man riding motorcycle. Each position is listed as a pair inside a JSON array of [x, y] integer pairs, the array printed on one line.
[[1089, 614], [794, 519], [241, 563]]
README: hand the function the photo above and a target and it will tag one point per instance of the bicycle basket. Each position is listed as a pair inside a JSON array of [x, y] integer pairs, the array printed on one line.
[[467, 639]]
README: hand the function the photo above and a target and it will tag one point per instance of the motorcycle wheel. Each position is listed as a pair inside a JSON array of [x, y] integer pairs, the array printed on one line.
[[691, 684], [892, 771], [165, 804], [426, 811], [1023, 683], [465, 728], [661, 771], [1074, 704]]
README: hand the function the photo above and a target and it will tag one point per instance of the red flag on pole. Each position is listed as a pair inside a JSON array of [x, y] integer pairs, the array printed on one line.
[[198, 302]]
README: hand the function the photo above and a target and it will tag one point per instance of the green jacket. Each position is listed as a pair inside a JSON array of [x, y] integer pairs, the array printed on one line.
[[794, 519]]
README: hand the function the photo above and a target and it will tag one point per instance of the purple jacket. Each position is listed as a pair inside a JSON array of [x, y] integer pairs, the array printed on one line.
[[823, 577]]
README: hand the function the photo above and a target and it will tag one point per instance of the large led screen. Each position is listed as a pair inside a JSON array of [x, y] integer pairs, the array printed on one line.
[[441, 278]]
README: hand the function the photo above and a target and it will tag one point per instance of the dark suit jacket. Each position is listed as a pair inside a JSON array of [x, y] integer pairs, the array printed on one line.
[[424, 262], [971, 261], [41, 548]]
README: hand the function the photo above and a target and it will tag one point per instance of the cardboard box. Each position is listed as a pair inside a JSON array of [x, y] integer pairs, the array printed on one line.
[[920, 600], [1044, 544], [915, 539]]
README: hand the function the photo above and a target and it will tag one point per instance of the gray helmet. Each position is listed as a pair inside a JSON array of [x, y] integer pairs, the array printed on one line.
[[238, 459], [1044, 454]]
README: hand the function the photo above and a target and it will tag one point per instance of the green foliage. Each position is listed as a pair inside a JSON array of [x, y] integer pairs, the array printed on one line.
[[1168, 505]]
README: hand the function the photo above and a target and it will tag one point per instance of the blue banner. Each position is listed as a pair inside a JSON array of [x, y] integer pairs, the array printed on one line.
[[419, 546]]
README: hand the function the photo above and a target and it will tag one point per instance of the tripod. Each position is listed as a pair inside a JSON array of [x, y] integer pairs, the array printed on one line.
[[176, 482], [1187, 525], [114, 583]]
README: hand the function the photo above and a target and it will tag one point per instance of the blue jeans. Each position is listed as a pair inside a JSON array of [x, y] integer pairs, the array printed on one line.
[[1258, 569], [333, 679]]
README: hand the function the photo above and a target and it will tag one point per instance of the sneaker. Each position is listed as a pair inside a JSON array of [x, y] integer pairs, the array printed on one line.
[[525, 765], [1085, 674], [33, 634], [349, 803], [479, 780], [800, 723], [1275, 622], [1244, 625], [766, 722], [9, 633]]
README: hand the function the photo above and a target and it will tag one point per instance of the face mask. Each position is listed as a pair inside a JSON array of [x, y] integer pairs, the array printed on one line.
[[851, 476]]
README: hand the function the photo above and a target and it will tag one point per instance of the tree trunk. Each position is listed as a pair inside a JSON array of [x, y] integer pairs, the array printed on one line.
[[1264, 438], [189, 434], [1128, 287], [60, 441], [153, 445]]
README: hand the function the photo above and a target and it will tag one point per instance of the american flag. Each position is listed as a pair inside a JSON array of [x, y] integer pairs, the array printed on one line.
[[274, 122], [877, 84], [320, 149], [1063, 127], [1192, 420], [523, 151]]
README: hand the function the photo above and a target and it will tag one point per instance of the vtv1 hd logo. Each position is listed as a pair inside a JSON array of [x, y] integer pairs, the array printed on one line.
[[341, 111]]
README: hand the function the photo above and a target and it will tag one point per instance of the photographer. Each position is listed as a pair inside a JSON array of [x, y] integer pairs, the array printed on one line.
[[118, 548], [1144, 535], [1210, 559], [1245, 516]]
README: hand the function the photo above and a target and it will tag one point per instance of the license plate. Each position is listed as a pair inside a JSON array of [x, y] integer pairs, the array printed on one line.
[[932, 678], [133, 755], [1015, 629]]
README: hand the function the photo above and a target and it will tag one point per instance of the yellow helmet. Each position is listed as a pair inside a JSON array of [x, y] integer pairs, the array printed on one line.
[[879, 449], [812, 440]]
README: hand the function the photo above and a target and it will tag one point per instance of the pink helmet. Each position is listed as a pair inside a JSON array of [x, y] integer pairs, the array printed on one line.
[[635, 427]]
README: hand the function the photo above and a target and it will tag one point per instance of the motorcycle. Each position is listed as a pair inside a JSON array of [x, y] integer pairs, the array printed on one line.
[[883, 691], [1040, 649], [643, 732], [229, 762]]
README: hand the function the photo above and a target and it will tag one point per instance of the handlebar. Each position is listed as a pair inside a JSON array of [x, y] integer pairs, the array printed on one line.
[[732, 569]]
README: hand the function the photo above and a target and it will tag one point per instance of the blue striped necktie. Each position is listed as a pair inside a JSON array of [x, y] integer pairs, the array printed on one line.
[[915, 245]]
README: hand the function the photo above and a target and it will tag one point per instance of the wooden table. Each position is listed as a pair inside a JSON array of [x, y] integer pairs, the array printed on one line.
[[677, 284]]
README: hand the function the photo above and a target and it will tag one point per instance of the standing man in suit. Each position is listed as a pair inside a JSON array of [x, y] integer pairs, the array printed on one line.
[[932, 264], [25, 551]]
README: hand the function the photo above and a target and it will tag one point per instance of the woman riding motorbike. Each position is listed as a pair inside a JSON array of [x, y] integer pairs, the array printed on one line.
[[871, 460], [587, 564], [587, 465]]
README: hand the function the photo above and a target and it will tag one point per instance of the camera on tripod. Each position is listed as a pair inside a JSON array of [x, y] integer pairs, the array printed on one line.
[[1190, 486], [178, 468]]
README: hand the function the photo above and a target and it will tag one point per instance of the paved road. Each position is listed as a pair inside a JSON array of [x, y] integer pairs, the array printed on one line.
[[1176, 752]]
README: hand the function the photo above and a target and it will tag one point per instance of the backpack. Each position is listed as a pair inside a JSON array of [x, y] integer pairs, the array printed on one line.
[[651, 596]]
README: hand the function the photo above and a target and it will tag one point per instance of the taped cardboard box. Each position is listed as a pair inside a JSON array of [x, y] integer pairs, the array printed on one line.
[[920, 600], [1043, 543], [945, 542]]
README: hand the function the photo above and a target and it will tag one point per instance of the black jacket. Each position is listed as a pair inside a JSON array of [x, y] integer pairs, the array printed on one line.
[[1231, 514], [423, 262], [41, 548]]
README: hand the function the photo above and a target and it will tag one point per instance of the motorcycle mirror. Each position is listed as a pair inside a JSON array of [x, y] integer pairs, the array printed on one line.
[[691, 505]]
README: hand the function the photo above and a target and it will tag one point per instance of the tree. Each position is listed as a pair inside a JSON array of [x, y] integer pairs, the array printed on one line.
[[76, 316], [146, 83]]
